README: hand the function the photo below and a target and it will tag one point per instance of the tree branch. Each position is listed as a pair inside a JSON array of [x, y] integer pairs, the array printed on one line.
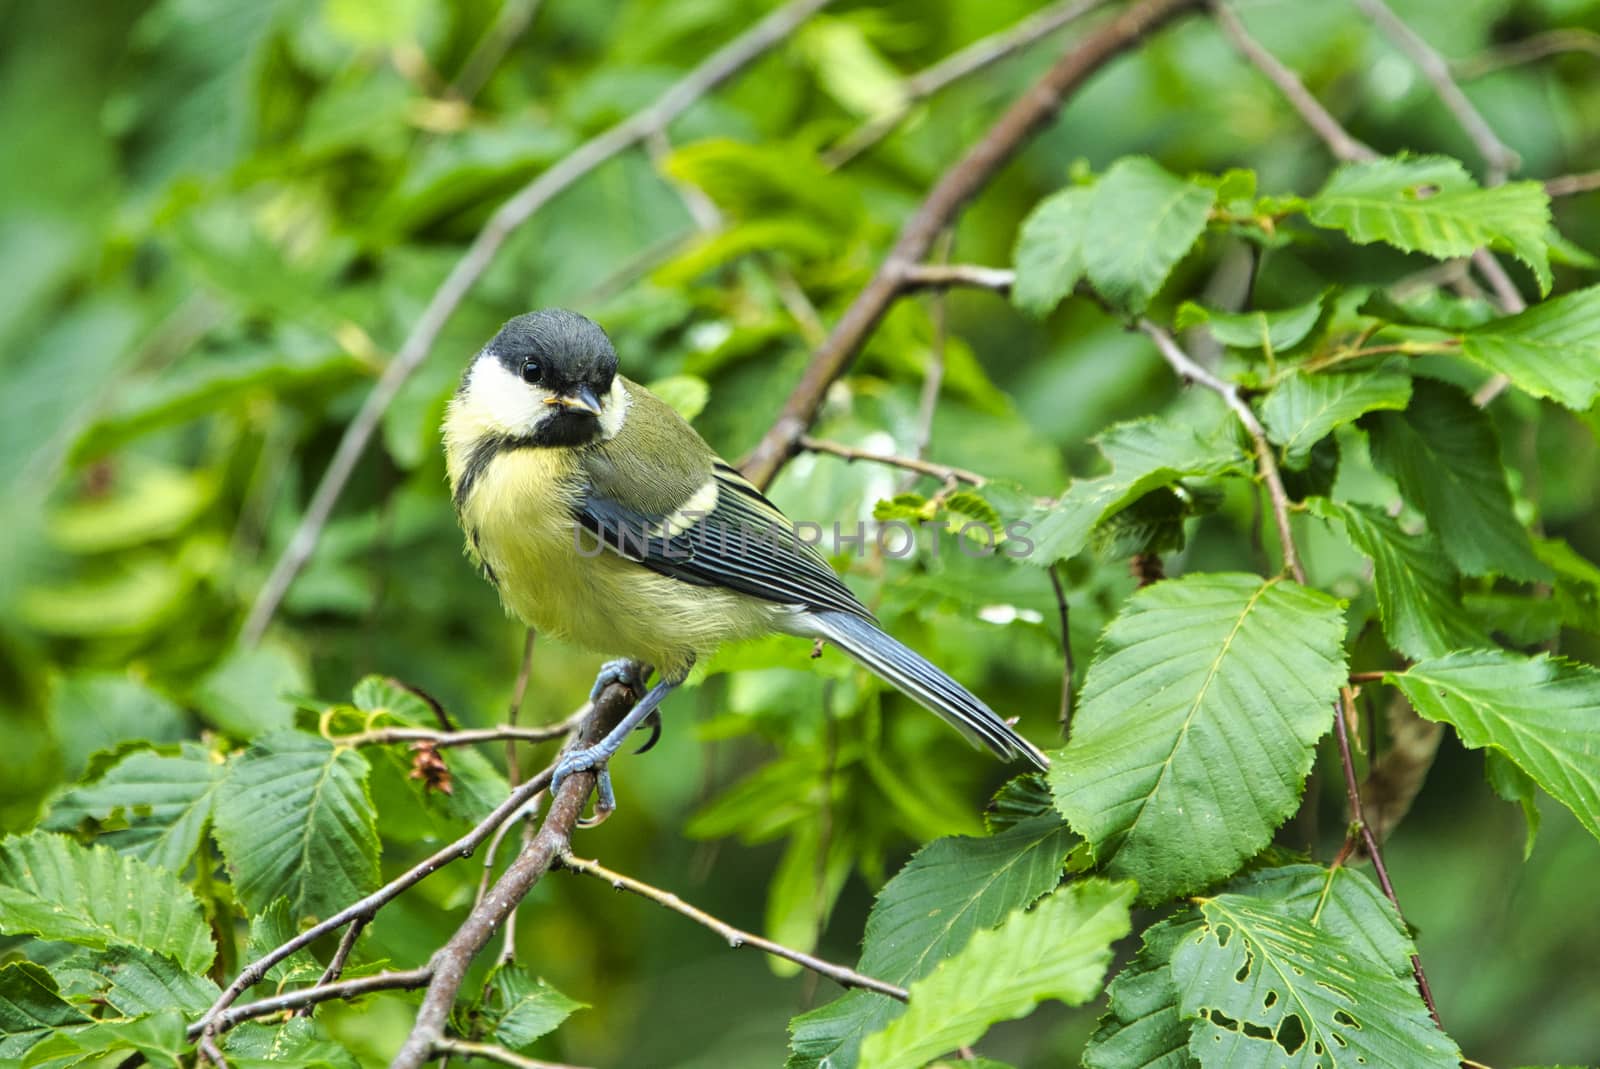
[[1029, 114], [921, 467], [409, 980], [508, 732], [736, 937], [1312, 113], [449, 964], [490, 1052], [1568, 184], [1535, 47], [982, 53], [945, 276], [717, 68], [368, 907], [1501, 160]]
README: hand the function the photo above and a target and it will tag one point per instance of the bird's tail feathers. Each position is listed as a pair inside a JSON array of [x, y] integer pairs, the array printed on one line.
[[921, 680]]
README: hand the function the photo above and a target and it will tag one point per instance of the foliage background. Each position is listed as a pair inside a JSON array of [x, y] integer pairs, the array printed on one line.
[[217, 219]]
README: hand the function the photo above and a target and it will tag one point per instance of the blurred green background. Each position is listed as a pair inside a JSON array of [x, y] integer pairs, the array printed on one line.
[[218, 218]]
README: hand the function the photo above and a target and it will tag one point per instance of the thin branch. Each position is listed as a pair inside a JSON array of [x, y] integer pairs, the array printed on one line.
[[510, 23], [1528, 50], [1501, 160], [519, 691], [717, 68], [1186, 368], [1332, 132], [921, 467], [508, 732], [450, 962], [1064, 613], [1568, 184], [341, 957], [982, 53], [408, 980], [1026, 117], [736, 937], [1364, 830], [492, 1053], [944, 276], [368, 907]]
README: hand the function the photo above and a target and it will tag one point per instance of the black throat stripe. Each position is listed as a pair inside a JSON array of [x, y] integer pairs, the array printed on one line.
[[478, 462]]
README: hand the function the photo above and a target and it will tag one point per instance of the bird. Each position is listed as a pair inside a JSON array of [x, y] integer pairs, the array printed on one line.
[[603, 518]]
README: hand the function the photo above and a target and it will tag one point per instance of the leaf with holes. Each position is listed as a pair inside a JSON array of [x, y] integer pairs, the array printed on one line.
[[1273, 989], [1418, 589], [950, 889], [1443, 453], [1303, 409], [1142, 1027], [1430, 204], [294, 819], [1049, 252], [1059, 949], [1551, 350], [1197, 726], [1141, 221], [1144, 455], [1541, 712], [59, 890]]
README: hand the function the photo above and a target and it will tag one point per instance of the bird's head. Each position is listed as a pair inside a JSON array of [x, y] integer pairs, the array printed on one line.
[[548, 378]]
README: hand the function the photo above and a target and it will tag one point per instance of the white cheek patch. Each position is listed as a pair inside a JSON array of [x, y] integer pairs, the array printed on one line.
[[507, 404], [614, 409]]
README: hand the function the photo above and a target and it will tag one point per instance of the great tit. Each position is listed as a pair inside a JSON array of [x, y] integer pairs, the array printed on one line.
[[603, 518]]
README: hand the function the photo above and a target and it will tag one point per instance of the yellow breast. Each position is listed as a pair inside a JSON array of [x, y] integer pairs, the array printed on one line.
[[518, 518]]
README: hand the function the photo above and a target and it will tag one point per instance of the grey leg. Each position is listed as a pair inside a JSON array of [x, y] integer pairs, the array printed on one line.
[[597, 755]]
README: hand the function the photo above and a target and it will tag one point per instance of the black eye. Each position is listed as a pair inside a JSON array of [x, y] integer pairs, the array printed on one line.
[[532, 372]]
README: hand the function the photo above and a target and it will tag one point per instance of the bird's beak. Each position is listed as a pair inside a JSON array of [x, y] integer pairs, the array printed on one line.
[[581, 398]]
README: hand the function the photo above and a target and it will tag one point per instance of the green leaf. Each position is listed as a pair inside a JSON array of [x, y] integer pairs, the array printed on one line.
[[1429, 204], [1141, 221], [950, 889], [299, 1042], [1516, 786], [246, 694], [294, 819], [1049, 252], [271, 928], [1144, 455], [1551, 350], [57, 889], [686, 394], [1443, 453], [31, 1008], [1196, 676], [159, 1038], [1418, 589], [144, 983], [1272, 332], [1059, 949], [1142, 1027], [519, 1007], [150, 805], [1541, 712], [1275, 990], [1303, 409]]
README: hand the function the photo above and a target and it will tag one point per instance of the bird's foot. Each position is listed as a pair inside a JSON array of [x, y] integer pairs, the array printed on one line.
[[585, 760], [630, 674]]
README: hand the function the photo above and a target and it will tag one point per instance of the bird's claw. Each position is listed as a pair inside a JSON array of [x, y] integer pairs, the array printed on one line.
[[584, 760], [653, 721], [629, 673]]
